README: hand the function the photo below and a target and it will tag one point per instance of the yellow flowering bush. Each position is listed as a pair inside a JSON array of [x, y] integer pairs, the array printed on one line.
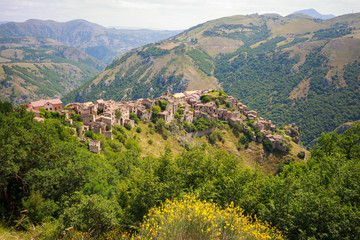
[[191, 218]]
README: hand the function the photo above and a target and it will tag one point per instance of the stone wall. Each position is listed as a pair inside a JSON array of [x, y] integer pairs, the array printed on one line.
[[200, 133]]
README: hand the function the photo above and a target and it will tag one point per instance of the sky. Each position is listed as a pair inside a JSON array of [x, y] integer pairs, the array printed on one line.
[[160, 14]]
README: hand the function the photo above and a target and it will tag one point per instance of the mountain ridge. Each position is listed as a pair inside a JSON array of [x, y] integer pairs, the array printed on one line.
[[315, 14], [98, 41], [284, 63]]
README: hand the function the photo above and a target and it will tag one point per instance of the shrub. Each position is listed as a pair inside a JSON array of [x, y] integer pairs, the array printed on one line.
[[216, 136], [301, 155], [237, 129], [176, 115], [191, 218], [163, 104], [217, 102], [91, 212], [134, 117], [160, 126], [128, 126], [75, 117], [288, 148], [150, 142], [243, 139], [268, 145], [138, 130], [156, 110], [89, 134], [205, 98]]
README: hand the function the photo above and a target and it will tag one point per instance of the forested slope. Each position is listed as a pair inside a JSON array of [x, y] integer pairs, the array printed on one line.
[[53, 184]]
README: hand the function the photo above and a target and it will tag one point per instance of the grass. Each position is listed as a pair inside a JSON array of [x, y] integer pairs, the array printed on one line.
[[9, 234], [254, 156], [301, 91], [216, 45], [159, 144], [298, 27]]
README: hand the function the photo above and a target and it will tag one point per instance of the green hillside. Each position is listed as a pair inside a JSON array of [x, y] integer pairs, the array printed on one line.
[[53, 187], [291, 69], [33, 68]]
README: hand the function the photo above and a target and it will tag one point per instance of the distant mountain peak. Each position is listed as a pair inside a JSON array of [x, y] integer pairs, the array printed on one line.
[[315, 14]]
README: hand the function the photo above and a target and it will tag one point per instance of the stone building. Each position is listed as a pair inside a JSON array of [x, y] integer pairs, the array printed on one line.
[[101, 115], [94, 146], [54, 105]]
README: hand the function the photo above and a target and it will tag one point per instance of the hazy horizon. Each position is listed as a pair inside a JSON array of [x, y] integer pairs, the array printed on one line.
[[158, 14]]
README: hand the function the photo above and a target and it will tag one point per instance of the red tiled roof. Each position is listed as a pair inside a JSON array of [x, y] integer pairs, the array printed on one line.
[[43, 102]]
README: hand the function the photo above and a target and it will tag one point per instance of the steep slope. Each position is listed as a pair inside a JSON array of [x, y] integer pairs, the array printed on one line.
[[97, 41], [291, 69], [33, 68]]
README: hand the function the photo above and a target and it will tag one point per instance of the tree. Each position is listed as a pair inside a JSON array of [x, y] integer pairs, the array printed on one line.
[[160, 126], [268, 145], [163, 105], [6, 107], [118, 114], [156, 110], [91, 213], [205, 98]]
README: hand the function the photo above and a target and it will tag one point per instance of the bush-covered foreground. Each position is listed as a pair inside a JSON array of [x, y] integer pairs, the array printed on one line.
[[52, 187], [191, 218]]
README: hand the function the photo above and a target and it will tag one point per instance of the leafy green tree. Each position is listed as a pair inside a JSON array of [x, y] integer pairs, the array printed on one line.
[[156, 110], [268, 145], [160, 126], [118, 114], [6, 107], [205, 98], [128, 126], [92, 214], [163, 104]]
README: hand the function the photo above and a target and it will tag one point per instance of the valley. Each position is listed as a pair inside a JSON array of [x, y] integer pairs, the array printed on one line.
[[100, 42], [48, 59], [33, 68]]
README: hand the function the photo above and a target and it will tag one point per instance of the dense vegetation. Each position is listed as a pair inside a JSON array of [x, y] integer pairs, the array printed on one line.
[[265, 82], [50, 181], [202, 60]]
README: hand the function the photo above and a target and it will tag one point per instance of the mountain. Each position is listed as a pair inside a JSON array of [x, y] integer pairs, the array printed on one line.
[[290, 69], [97, 41], [32, 68], [315, 14]]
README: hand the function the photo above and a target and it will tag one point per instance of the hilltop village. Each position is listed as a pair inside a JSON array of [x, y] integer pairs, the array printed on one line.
[[101, 116]]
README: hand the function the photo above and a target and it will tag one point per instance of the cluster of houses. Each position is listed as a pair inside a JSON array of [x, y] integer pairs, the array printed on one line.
[[100, 116]]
